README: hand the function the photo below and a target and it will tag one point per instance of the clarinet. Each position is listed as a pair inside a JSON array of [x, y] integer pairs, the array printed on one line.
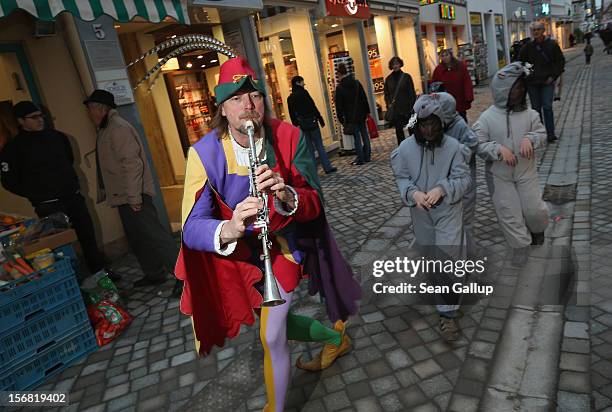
[[271, 296]]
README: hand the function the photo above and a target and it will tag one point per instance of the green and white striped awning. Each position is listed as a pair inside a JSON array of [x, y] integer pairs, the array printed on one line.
[[121, 10]]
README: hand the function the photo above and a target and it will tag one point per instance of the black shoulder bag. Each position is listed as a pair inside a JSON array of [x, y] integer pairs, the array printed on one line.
[[390, 114]]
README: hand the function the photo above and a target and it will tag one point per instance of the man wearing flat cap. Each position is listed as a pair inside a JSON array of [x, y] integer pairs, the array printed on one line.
[[219, 259], [125, 181], [38, 164]]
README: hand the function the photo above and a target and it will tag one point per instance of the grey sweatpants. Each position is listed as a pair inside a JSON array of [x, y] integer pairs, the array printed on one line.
[[439, 234], [519, 207], [469, 208]]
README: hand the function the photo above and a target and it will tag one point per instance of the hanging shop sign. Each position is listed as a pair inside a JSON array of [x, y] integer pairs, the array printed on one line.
[[348, 8], [447, 12], [456, 2]]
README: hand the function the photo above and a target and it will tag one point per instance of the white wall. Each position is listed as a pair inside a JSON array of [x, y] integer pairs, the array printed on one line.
[[384, 39], [407, 50]]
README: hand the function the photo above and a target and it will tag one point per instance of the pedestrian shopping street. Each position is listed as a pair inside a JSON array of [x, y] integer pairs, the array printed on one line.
[[519, 350]]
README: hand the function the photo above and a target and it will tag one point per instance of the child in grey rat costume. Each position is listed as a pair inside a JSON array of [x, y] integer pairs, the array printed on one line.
[[432, 176], [455, 126], [511, 132]]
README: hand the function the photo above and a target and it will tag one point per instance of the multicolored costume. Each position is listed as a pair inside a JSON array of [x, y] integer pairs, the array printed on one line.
[[221, 292]]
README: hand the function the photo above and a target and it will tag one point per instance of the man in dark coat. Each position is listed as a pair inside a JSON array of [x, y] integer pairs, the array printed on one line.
[[38, 165], [399, 97], [352, 108], [548, 64], [305, 115]]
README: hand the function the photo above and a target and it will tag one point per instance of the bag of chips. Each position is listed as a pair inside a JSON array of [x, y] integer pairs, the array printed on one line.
[[108, 320]]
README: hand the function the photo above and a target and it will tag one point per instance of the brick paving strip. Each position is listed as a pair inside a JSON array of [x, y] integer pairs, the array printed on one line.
[[596, 225], [523, 373]]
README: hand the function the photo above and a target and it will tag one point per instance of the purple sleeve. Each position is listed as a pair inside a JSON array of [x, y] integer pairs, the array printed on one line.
[[199, 229]]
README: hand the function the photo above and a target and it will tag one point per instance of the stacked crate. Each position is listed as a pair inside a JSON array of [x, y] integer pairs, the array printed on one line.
[[44, 327]]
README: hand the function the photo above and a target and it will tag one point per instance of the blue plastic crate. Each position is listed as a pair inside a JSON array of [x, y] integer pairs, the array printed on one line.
[[66, 251], [39, 292], [37, 334], [33, 372]]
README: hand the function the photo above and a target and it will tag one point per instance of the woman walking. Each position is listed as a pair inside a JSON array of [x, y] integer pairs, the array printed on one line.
[[454, 75]]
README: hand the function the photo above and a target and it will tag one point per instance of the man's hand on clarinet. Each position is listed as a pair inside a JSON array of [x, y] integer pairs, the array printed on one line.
[[243, 216], [270, 182]]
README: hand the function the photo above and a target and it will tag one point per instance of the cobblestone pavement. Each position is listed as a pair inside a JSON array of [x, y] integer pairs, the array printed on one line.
[[399, 361]]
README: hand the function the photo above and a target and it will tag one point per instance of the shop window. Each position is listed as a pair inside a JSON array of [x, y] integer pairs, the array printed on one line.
[[476, 25], [280, 66], [441, 39], [192, 104], [499, 40]]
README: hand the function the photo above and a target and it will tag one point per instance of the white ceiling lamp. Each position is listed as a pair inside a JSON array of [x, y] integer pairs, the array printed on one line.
[[188, 65], [200, 56], [173, 36], [203, 66], [334, 25], [214, 61]]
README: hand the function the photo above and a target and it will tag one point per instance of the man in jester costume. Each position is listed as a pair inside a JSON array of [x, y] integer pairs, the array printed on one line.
[[220, 261]]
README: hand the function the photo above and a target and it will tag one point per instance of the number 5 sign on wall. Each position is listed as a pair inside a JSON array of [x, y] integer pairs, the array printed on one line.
[[97, 29]]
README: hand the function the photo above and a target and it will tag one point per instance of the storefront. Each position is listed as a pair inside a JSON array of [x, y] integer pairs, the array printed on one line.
[[307, 38], [519, 17], [309, 42], [556, 17], [489, 36], [59, 58], [444, 25]]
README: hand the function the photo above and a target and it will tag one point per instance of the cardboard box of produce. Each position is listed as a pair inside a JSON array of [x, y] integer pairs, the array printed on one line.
[[53, 241]]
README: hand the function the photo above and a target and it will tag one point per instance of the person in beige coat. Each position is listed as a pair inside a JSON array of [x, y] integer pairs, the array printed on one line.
[[125, 181]]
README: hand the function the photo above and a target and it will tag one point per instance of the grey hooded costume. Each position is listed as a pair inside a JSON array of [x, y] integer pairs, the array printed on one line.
[[515, 191], [421, 166], [456, 127], [418, 168]]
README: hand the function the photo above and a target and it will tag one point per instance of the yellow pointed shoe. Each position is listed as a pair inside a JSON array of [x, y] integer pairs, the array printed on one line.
[[329, 353]]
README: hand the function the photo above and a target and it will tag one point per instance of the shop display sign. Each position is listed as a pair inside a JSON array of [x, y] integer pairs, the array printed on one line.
[[120, 88], [447, 12], [376, 69], [379, 85], [475, 19], [348, 8], [499, 19], [373, 52]]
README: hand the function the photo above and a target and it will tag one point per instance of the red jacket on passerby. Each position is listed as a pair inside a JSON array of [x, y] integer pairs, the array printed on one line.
[[456, 82]]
